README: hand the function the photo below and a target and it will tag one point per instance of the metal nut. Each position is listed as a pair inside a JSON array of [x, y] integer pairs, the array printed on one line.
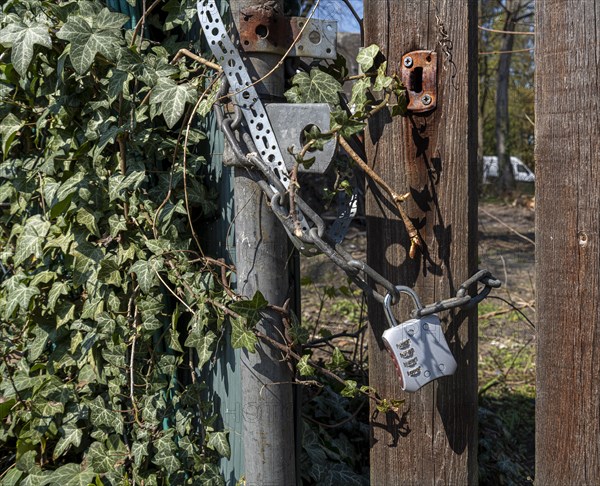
[[426, 100], [408, 62]]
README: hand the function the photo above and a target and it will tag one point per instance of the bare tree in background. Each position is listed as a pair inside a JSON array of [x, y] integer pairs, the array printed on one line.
[[514, 11]]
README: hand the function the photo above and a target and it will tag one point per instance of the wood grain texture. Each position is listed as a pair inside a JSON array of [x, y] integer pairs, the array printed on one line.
[[433, 440], [567, 130]]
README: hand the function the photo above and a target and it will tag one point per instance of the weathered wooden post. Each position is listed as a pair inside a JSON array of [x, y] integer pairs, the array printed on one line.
[[433, 440], [567, 131]]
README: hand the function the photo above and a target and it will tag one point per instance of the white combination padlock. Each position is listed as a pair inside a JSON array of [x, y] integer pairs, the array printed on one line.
[[418, 346]]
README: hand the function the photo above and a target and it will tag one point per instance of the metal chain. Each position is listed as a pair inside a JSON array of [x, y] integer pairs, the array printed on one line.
[[313, 238]]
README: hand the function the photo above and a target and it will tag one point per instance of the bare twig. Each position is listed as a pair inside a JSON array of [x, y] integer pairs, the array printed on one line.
[[398, 199], [201, 60], [520, 235], [512, 32], [357, 18], [317, 342], [515, 308], [140, 25]]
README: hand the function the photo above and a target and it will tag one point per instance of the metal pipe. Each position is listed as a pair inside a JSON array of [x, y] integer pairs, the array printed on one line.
[[262, 265]]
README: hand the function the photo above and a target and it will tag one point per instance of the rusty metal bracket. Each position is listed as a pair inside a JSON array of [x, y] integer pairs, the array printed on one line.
[[419, 76], [263, 30]]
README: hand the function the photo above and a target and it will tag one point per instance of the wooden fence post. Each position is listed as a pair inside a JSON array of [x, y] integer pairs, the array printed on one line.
[[433, 439], [567, 131]]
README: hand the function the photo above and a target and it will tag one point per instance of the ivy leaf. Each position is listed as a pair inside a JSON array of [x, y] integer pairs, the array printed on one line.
[[312, 445], [12, 477], [106, 20], [366, 57], [19, 297], [139, 450], [382, 81], [21, 38], [87, 219], [146, 272], [30, 242], [9, 127], [37, 347], [36, 477], [72, 475], [172, 98], [204, 344], [360, 92], [351, 389], [100, 415], [218, 442], [100, 458], [211, 475], [58, 288], [338, 360], [159, 246], [241, 337], [70, 435], [86, 42], [304, 368], [250, 308], [318, 87], [341, 473], [346, 126], [166, 459]]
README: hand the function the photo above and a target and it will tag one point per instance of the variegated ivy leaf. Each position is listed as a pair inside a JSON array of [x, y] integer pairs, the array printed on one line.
[[359, 95], [204, 344], [382, 81], [338, 360], [21, 39], [36, 477], [172, 98], [316, 87], [211, 475], [72, 475], [304, 368], [70, 436], [147, 272], [87, 40], [241, 337], [366, 57], [218, 441], [30, 242], [9, 127]]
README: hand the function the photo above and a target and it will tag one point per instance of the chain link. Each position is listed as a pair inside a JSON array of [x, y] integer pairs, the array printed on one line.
[[311, 237]]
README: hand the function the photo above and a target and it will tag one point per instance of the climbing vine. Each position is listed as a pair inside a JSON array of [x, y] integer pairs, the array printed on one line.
[[109, 307]]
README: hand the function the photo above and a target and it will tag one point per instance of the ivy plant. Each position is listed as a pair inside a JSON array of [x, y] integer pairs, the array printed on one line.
[[107, 306]]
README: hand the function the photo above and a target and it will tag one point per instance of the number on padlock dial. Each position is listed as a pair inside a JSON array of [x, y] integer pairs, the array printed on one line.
[[419, 351]]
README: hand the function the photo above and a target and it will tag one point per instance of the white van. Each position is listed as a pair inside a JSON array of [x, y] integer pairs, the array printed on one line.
[[521, 172]]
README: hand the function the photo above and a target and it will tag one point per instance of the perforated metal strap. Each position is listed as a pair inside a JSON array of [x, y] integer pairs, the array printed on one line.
[[244, 93]]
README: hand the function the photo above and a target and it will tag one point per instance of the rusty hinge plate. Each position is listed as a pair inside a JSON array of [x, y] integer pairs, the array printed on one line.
[[419, 76], [263, 30]]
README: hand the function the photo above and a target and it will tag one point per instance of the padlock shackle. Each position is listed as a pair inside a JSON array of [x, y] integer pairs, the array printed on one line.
[[387, 303]]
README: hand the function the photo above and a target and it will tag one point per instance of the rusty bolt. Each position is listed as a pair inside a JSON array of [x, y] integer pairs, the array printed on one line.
[[408, 62], [426, 100]]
